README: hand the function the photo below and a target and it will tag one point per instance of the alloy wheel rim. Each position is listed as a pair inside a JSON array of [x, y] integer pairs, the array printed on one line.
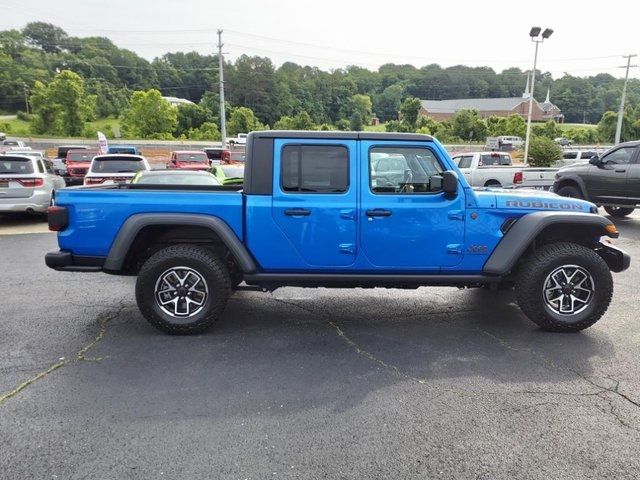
[[568, 290], [181, 292]]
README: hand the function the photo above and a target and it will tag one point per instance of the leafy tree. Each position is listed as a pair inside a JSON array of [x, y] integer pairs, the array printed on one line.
[[549, 129], [387, 104], [206, 131], [191, 116], [543, 152], [355, 122], [48, 37], [515, 126], [496, 126], [608, 124], [467, 125], [398, 126], [410, 109], [243, 120], [301, 121], [62, 106], [149, 116], [342, 124]]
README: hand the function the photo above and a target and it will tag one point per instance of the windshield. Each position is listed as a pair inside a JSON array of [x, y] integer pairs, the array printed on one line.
[[192, 157], [177, 179], [233, 171], [117, 165], [80, 156], [15, 165]]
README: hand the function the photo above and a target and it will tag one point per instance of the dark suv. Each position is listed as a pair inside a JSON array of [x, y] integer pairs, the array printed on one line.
[[611, 180]]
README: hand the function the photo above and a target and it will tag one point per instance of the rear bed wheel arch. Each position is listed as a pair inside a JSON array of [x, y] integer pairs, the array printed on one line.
[[134, 224]]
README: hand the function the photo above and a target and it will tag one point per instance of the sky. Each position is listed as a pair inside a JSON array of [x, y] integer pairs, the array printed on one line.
[[587, 39]]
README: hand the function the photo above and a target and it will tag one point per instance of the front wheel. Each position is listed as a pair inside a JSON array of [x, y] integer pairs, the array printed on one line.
[[619, 212], [564, 287], [183, 289], [570, 191]]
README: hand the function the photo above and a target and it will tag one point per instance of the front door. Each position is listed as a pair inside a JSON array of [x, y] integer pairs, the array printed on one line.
[[407, 222], [314, 200], [607, 181]]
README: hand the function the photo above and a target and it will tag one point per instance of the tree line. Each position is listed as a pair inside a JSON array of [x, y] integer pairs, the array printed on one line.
[[70, 80]]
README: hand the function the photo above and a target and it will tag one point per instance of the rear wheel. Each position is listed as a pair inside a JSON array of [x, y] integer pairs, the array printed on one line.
[[564, 287], [493, 183], [619, 212], [183, 289], [570, 191]]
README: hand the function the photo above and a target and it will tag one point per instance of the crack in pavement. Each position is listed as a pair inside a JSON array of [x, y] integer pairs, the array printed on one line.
[[548, 362], [79, 357]]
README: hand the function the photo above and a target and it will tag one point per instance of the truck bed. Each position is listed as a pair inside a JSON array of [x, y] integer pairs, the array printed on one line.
[[97, 213]]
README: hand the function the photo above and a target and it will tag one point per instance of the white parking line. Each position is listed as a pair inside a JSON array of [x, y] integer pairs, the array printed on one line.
[[20, 226]]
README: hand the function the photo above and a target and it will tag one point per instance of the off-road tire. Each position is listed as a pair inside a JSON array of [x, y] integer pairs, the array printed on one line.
[[205, 263], [529, 287], [619, 212], [570, 191]]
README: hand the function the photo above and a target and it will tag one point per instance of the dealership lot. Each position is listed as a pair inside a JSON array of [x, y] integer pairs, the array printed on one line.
[[431, 383]]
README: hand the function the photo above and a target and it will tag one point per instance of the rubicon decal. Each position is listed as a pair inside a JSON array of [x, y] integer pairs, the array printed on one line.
[[548, 205]]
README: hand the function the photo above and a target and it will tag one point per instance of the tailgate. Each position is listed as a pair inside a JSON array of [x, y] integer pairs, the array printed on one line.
[[10, 187], [541, 178]]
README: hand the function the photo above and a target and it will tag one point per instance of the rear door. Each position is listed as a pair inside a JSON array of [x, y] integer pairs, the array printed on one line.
[[607, 182], [314, 200], [407, 223]]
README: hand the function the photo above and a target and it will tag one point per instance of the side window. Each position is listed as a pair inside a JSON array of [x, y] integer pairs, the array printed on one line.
[[49, 166], [570, 155], [314, 169], [620, 156], [465, 162], [40, 166], [404, 170]]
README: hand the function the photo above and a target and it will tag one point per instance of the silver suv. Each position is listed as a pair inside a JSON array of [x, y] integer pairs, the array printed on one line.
[[27, 184]]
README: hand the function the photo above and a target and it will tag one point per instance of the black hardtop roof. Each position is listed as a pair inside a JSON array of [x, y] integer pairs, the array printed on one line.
[[341, 135]]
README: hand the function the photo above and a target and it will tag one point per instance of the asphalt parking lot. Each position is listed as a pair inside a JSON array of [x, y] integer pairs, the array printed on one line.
[[432, 383]]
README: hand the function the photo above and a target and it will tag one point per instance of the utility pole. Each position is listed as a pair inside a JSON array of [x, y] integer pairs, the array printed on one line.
[[26, 97], [624, 94], [223, 122]]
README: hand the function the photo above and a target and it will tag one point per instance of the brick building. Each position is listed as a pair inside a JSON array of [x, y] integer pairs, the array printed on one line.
[[502, 107]]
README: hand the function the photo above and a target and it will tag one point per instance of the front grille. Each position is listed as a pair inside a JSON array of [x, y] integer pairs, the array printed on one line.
[[80, 172]]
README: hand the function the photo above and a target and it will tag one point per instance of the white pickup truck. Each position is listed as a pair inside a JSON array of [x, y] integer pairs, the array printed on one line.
[[496, 169]]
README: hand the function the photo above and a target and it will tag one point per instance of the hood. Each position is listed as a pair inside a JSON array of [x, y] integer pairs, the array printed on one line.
[[574, 168], [528, 199]]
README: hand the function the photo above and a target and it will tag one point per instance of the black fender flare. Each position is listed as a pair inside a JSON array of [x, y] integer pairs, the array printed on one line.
[[518, 238], [570, 180], [135, 223]]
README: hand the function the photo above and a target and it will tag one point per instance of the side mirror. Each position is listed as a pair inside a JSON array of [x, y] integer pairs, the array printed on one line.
[[595, 160], [450, 183]]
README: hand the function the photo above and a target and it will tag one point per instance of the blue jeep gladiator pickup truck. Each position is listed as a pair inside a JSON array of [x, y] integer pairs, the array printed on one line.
[[339, 209]]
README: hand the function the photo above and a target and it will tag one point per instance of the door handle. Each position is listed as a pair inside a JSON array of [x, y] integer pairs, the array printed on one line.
[[378, 212], [621, 170], [297, 212]]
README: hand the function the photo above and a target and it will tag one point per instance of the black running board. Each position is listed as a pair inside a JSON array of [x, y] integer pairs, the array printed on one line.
[[338, 280]]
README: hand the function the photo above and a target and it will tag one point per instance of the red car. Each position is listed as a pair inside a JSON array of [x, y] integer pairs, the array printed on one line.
[[78, 163], [188, 160]]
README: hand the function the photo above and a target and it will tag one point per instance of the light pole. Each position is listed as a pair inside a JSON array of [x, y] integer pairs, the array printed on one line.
[[537, 39]]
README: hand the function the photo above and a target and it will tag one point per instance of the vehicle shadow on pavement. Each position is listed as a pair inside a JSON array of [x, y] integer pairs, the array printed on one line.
[[296, 350]]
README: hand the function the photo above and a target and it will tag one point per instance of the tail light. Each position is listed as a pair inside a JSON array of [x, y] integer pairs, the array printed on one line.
[[517, 177], [58, 218], [30, 182], [93, 181]]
